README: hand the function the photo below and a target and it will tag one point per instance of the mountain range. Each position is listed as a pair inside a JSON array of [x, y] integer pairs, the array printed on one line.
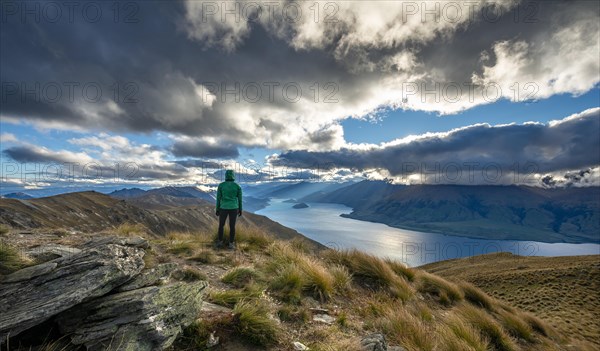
[[487, 212], [91, 211]]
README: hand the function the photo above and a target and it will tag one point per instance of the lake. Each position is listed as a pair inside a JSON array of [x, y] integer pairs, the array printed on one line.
[[322, 222]]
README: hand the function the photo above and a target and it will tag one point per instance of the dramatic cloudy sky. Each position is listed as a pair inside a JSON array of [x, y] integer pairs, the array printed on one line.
[[157, 92]]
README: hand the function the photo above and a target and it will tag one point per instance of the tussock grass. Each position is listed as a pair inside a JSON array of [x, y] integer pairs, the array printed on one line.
[[481, 321], [342, 278], [182, 249], [11, 259], [401, 269], [477, 297], [250, 238], [457, 335], [296, 272], [204, 256], [131, 229], [4, 229], [189, 274], [537, 324], [288, 284], [197, 334], [447, 292], [372, 271], [239, 276], [402, 327], [253, 322], [289, 313], [231, 297], [516, 326]]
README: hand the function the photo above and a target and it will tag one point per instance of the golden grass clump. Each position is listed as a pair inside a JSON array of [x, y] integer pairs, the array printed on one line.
[[230, 297], [342, 278], [401, 269], [371, 270], [402, 327], [131, 229], [239, 276], [457, 335], [516, 326], [476, 296], [537, 324], [250, 238], [294, 269], [488, 327], [189, 274], [253, 322], [11, 259], [4, 229], [447, 292]]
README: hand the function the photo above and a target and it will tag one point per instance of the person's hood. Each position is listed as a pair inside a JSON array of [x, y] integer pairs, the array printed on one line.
[[229, 175]]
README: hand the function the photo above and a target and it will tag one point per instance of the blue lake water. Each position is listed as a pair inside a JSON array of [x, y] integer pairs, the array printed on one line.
[[322, 222]]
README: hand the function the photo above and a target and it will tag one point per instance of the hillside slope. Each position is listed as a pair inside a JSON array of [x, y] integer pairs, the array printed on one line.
[[269, 294], [92, 212], [565, 291]]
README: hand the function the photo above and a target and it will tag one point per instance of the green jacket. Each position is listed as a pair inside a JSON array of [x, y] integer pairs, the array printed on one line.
[[229, 193]]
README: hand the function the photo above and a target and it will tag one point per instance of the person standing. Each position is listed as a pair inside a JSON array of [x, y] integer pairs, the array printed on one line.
[[229, 204]]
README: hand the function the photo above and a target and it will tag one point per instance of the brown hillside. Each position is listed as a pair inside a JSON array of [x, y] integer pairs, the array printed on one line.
[[564, 291]]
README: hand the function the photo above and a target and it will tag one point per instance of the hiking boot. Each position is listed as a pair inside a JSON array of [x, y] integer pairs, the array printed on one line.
[[219, 244], [231, 246]]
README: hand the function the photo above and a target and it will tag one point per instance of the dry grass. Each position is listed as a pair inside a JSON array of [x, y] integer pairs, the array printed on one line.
[[476, 296], [406, 329], [132, 229], [562, 292], [4, 229], [254, 323], [11, 259], [275, 288], [447, 292], [239, 276], [231, 297], [189, 274], [371, 271], [457, 335], [489, 327]]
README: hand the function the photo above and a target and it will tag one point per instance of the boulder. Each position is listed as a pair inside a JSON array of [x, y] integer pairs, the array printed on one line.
[[144, 319], [32, 295], [374, 342], [155, 276]]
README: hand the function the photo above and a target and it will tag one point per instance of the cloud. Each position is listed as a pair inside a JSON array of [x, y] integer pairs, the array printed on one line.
[[7, 138], [530, 149], [35, 154], [203, 148], [283, 84]]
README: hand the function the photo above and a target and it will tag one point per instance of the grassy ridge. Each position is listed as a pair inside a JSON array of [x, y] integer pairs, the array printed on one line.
[[564, 291], [275, 288], [284, 281]]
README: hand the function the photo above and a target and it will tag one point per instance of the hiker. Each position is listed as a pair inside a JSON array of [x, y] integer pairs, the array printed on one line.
[[229, 203]]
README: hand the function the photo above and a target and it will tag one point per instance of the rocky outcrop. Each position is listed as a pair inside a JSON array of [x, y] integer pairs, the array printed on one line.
[[377, 342], [99, 295], [32, 295], [143, 319], [155, 276]]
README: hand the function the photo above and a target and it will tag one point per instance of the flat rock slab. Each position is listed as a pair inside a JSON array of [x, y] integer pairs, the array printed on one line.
[[158, 275], [33, 295], [144, 319]]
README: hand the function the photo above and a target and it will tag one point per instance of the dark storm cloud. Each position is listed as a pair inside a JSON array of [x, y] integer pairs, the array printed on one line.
[[35, 154], [201, 148], [161, 73], [572, 143]]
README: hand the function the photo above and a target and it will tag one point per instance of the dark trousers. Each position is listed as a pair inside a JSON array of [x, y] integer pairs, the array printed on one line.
[[232, 217]]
